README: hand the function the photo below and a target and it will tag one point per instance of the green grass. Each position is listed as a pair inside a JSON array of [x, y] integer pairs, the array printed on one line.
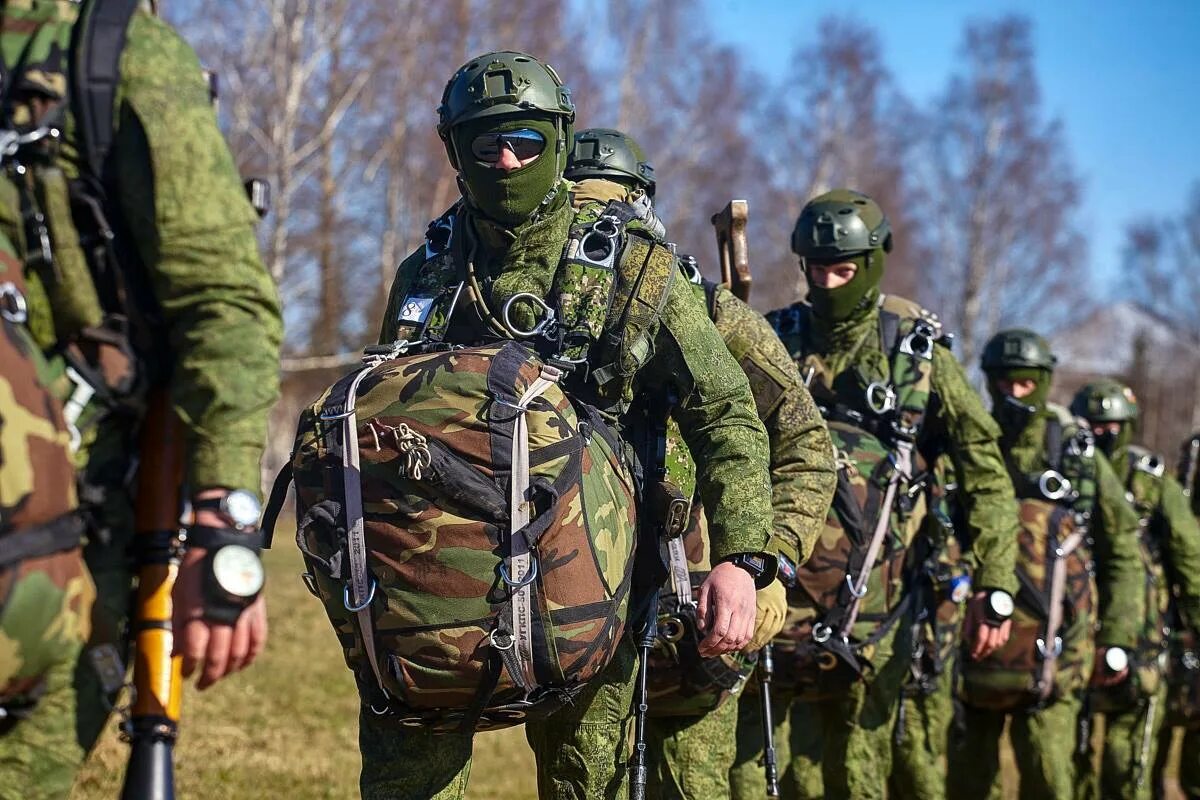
[[286, 729]]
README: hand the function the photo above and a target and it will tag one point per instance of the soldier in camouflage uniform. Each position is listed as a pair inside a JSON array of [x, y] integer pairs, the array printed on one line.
[[691, 753], [1170, 549], [1019, 368], [841, 746], [506, 120], [1183, 672], [46, 594], [193, 302]]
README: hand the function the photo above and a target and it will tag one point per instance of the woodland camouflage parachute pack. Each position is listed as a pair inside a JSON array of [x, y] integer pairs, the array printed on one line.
[[469, 530]]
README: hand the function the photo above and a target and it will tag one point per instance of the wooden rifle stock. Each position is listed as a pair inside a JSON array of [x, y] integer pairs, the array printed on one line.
[[157, 675], [730, 225]]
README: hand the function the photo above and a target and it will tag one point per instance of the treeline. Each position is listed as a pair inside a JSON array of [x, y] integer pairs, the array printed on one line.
[[334, 101]]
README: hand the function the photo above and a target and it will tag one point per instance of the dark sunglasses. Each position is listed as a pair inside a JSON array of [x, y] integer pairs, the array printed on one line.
[[523, 142]]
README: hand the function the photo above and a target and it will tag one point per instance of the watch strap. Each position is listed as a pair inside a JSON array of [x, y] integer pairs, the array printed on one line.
[[757, 564], [212, 538]]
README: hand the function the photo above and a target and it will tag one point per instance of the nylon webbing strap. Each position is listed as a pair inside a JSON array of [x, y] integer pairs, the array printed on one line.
[[901, 470], [97, 42], [520, 562], [360, 589], [1051, 648], [36, 541], [681, 582]]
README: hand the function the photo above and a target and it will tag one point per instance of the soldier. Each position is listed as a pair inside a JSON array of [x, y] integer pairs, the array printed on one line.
[[847, 339], [506, 120], [142, 271], [1183, 671], [1068, 491], [609, 165]]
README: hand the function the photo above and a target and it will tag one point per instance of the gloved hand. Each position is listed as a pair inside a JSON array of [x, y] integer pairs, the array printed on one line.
[[771, 608]]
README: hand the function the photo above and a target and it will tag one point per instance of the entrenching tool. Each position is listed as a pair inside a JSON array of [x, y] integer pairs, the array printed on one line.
[[730, 225]]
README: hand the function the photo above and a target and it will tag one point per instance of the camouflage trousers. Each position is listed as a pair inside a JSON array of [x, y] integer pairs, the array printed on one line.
[[47, 604], [1043, 742], [581, 750], [690, 756], [836, 747], [1189, 762], [1126, 765], [920, 740]]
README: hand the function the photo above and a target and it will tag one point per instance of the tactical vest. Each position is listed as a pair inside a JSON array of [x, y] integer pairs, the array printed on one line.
[[1050, 647], [851, 592], [45, 591], [90, 303]]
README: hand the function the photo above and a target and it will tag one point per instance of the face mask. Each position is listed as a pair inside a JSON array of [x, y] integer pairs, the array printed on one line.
[[508, 198], [1110, 442], [1012, 413], [849, 298]]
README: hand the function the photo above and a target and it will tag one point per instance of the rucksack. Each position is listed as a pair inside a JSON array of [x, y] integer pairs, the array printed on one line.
[[1052, 625], [851, 592], [469, 530], [43, 582]]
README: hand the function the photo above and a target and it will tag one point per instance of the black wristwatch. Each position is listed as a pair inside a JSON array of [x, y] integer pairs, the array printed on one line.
[[240, 507], [756, 564], [998, 607], [233, 571]]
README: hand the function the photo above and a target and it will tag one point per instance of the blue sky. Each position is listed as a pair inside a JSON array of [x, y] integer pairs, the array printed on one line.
[[1123, 76]]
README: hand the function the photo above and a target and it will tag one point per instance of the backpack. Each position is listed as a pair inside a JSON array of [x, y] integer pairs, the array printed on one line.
[[45, 592], [851, 592], [469, 530], [1049, 650]]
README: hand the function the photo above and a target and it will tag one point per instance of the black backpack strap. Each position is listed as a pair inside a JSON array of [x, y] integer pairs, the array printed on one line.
[[889, 331], [95, 69], [1054, 443]]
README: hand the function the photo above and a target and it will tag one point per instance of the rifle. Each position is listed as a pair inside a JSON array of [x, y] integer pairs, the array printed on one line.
[[730, 224], [766, 672], [153, 723], [638, 770]]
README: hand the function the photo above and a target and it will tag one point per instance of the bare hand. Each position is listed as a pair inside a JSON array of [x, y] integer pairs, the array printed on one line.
[[726, 610], [1102, 676], [984, 639], [217, 649]]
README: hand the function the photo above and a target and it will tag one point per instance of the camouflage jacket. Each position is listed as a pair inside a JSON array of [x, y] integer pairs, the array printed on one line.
[[180, 196], [847, 356], [716, 412], [1166, 518], [1114, 529]]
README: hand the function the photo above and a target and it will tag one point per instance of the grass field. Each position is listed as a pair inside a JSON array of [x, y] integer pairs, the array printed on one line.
[[286, 729]]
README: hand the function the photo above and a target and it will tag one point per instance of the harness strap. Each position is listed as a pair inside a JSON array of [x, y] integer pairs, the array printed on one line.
[[36, 541], [360, 591], [96, 45], [677, 566], [522, 570], [1051, 647]]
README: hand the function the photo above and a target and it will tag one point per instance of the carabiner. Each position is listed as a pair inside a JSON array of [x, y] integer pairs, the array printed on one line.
[[537, 329], [355, 609], [528, 579]]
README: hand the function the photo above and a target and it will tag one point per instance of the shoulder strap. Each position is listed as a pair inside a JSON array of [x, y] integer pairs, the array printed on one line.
[[95, 68], [1054, 443], [889, 330]]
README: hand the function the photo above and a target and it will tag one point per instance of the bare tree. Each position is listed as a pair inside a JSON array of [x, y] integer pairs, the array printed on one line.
[[1003, 192]]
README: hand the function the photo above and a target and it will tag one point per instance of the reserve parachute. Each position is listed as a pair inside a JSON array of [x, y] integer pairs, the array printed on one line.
[[469, 530]]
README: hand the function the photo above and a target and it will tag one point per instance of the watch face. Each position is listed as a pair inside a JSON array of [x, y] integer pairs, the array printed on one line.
[[243, 508], [238, 570], [1002, 604]]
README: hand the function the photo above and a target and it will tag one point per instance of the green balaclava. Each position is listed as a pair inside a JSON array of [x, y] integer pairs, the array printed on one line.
[[1105, 401], [1013, 413], [1017, 354], [857, 294], [508, 198]]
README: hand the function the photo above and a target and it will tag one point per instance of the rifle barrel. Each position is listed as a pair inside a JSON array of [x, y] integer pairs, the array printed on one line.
[[766, 673]]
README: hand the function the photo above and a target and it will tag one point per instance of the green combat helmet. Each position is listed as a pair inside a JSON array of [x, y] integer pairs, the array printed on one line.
[[1015, 354], [1108, 400], [612, 155], [843, 225], [500, 83]]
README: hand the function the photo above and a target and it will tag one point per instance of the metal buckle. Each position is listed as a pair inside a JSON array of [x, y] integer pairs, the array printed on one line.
[[1081, 445], [1058, 647], [528, 579], [436, 228], [508, 645], [821, 632], [310, 582], [537, 329], [12, 304], [855, 592], [888, 403], [919, 341], [826, 661], [1061, 486], [355, 609], [671, 629]]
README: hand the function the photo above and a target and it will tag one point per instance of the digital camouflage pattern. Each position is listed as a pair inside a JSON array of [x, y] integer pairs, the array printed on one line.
[[45, 600], [435, 500], [690, 756], [1011, 677]]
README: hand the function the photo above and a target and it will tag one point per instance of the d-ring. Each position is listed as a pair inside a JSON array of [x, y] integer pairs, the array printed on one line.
[[888, 401], [536, 329], [355, 609], [1053, 485]]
